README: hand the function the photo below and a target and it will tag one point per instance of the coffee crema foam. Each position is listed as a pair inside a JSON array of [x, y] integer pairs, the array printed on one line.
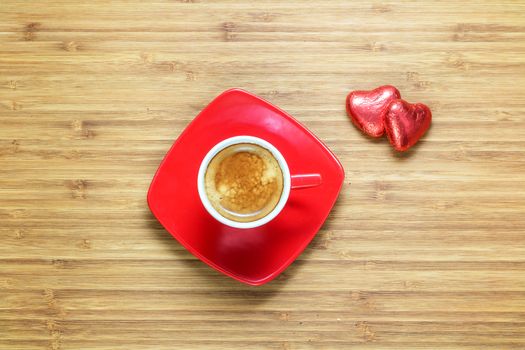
[[244, 182]]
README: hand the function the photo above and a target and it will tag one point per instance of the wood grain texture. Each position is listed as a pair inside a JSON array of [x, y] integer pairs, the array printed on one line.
[[424, 250]]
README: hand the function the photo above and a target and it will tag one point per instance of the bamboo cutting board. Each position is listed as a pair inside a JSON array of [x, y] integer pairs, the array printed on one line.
[[424, 250]]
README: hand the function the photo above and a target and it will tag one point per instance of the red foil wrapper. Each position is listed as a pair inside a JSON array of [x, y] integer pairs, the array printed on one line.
[[366, 108], [405, 123]]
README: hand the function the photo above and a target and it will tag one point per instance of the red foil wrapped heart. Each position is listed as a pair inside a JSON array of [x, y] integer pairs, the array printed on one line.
[[366, 108], [405, 123]]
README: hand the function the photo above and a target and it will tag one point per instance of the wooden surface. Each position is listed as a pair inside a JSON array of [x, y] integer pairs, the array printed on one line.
[[423, 251]]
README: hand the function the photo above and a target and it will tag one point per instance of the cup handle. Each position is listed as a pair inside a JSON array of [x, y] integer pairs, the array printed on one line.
[[305, 181]]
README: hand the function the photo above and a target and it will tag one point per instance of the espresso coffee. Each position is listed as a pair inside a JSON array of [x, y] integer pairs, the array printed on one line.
[[244, 182]]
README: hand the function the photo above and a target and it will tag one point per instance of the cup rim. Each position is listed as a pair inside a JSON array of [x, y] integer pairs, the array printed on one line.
[[233, 141]]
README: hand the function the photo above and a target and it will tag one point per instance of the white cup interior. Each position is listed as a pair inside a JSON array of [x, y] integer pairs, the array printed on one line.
[[233, 141]]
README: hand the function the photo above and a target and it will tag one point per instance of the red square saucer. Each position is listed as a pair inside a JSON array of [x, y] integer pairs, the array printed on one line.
[[253, 256]]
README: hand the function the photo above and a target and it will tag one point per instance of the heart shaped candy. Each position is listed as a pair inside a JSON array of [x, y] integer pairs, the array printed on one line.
[[405, 123], [366, 108]]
